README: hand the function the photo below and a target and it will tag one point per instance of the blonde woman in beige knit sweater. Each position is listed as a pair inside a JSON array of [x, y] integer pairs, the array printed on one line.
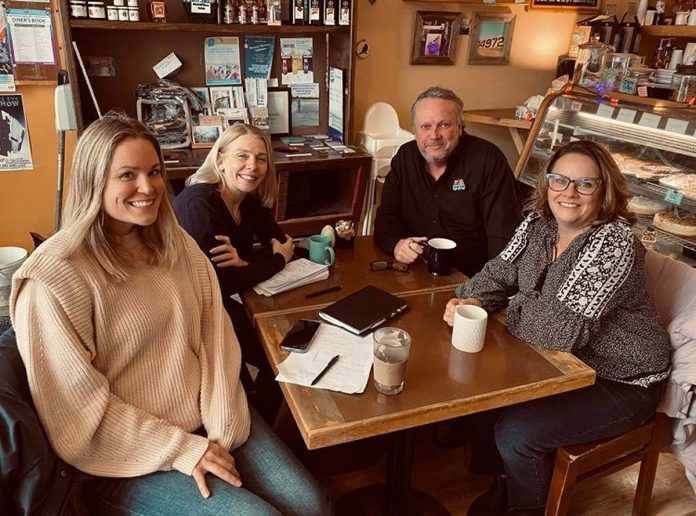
[[131, 359]]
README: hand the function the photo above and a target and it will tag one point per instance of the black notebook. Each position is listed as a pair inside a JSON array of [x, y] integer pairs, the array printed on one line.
[[363, 310]]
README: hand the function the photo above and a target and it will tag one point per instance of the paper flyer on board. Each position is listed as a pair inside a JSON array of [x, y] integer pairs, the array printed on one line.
[[7, 81], [31, 36], [336, 104], [258, 56], [15, 151], [297, 63], [222, 61]]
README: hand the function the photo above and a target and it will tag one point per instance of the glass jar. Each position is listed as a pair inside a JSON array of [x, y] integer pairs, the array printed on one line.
[[684, 84], [635, 77], [614, 68], [133, 14], [112, 13], [96, 10], [78, 9], [589, 63], [122, 13]]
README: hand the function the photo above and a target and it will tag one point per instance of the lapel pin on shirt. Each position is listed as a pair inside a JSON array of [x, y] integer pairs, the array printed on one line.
[[458, 185]]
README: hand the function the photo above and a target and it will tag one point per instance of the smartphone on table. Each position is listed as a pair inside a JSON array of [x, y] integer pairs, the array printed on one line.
[[300, 336]]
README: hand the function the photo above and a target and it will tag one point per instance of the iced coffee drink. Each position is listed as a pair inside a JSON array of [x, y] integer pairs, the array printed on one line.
[[391, 348]]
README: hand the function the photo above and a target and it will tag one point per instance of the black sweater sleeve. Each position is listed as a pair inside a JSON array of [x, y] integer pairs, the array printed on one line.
[[203, 215], [389, 221]]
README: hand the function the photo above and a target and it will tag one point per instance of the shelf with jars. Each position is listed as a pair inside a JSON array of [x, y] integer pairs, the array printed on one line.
[[654, 144], [125, 52], [216, 28]]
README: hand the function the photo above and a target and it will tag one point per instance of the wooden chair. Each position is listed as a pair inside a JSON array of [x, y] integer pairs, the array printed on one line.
[[670, 285], [576, 463]]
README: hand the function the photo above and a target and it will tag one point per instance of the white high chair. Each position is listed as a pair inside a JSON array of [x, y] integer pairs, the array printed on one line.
[[381, 136]]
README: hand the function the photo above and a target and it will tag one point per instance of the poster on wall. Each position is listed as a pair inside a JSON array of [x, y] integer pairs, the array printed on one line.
[[15, 151], [222, 61], [7, 81], [31, 36]]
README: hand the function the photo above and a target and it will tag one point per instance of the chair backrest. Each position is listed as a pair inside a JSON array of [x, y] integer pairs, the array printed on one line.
[[671, 285], [381, 119]]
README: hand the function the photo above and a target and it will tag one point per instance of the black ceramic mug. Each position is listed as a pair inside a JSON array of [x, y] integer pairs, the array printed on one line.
[[438, 253]]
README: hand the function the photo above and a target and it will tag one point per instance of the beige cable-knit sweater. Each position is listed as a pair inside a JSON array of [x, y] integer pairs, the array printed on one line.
[[121, 373]]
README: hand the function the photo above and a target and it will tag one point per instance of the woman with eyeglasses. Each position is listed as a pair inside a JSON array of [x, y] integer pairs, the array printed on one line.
[[575, 274]]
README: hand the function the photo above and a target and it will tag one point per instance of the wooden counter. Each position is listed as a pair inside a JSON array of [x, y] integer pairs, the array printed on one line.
[[503, 117]]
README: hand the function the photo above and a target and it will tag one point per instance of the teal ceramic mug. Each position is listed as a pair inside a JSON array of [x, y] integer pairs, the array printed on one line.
[[320, 250]]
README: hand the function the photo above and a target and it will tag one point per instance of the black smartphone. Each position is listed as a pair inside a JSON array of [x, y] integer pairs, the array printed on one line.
[[300, 336]]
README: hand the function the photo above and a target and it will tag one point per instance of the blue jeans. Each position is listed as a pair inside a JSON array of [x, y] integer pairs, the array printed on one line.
[[273, 482], [522, 439]]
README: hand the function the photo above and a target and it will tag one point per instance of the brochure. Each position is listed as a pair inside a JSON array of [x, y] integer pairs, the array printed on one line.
[[258, 56]]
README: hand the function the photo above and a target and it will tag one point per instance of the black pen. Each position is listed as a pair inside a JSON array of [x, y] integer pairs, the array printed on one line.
[[335, 288], [323, 371]]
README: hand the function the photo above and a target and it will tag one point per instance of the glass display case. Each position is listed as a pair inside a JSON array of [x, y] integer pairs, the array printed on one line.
[[654, 144]]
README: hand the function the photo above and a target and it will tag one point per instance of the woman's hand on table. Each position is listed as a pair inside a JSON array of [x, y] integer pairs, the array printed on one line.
[[286, 249], [407, 250], [225, 255], [452, 304], [219, 462]]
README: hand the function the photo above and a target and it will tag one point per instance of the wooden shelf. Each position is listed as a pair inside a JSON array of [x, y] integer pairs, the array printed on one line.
[[669, 31], [210, 27]]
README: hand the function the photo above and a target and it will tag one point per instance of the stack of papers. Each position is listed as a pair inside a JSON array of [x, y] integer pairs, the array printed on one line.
[[295, 274], [349, 374]]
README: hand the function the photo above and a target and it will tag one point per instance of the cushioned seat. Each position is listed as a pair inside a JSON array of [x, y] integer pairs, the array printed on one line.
[[33, 480]]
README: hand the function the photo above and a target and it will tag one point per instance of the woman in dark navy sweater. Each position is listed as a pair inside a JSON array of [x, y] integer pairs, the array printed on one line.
[[226, 207]]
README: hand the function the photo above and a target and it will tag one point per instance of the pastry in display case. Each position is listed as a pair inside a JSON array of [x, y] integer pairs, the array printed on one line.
[[652, 141]]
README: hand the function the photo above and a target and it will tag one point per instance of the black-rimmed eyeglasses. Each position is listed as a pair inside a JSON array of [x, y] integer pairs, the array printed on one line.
[[583, 185], [380, 265]]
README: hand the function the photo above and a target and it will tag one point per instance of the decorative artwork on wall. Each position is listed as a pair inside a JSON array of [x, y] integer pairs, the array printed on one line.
[[491, 38], [435, 37]]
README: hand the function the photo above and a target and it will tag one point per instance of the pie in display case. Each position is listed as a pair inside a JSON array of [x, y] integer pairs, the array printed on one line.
[[652, 141]]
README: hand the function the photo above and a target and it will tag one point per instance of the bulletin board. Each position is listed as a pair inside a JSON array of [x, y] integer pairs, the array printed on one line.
[[31, 31]]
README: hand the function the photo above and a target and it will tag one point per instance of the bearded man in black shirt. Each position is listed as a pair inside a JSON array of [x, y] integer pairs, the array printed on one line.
[[448, 184]]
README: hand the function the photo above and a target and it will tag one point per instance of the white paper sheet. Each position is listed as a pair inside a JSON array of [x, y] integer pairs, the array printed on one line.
[[349, 374]]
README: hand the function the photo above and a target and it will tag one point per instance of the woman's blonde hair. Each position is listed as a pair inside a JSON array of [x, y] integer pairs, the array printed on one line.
[[209, 171], [84, 216], [614, 189]]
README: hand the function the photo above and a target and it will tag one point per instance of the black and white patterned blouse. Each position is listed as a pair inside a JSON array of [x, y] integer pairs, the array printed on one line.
[[590, 301]]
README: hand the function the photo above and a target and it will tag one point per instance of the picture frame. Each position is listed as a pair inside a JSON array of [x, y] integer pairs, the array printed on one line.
[[204, 136], [435, 37], [577, 6], [279, 102], [490, 39], [220, 98], [203, 95]]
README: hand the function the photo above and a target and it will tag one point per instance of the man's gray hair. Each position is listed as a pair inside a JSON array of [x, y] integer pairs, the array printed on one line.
[[437, 92]]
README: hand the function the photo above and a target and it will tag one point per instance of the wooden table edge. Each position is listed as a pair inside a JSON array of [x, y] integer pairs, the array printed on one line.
[[577, 375]]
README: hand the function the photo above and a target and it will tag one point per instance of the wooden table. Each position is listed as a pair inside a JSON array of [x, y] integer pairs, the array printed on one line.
[[352, 271], [441, 383], [504, 117]]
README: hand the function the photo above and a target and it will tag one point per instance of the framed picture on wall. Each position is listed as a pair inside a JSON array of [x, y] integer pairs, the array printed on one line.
[[204, 136], [491, 38], [435, 37], [580, 6]]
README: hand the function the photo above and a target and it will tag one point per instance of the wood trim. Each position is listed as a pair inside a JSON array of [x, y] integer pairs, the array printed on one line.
[[212, 28]]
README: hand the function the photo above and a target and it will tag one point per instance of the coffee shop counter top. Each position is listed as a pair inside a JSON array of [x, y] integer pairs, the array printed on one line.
[[441, 382], [352, 272]]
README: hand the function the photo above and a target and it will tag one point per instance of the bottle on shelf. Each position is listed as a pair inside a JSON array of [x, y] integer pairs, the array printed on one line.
[[157, 10], [344, 13], [330, 12], [315, 12], [629, 33], [299, 12], [659, 18], [262, 12], [230, 12]]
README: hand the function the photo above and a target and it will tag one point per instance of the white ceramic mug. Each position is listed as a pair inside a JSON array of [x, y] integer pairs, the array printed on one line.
[[469, 331]]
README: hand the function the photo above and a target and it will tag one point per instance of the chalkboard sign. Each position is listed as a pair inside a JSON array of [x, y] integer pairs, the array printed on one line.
[[582, 6]]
